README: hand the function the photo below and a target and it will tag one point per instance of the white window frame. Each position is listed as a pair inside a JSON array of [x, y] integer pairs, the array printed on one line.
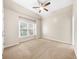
[[27, 22]]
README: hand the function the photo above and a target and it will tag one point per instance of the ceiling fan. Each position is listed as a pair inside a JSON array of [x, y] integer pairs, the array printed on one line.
[[42, 6]]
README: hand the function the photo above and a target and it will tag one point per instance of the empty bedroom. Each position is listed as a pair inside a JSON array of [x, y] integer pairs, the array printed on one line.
[[39, 29]]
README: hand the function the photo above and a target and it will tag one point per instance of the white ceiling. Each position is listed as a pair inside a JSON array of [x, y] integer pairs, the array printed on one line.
[[55, 5]]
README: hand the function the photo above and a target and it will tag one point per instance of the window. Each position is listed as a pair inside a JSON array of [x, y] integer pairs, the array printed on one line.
[[27, 28]]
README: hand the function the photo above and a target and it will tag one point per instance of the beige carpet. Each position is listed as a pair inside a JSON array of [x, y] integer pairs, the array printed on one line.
[[40, 49]]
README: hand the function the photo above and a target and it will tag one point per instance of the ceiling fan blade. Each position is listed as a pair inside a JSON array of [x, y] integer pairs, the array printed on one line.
[[39, 11], [45, 9], [39, 2], [47, 4], [35, 7]]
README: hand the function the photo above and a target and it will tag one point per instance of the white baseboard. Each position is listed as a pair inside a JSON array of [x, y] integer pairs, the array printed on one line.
[[20, 41], [10, 45], [54, 39]]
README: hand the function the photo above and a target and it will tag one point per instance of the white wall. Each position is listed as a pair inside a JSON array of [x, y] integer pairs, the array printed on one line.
[[12, 11], [58, 25]]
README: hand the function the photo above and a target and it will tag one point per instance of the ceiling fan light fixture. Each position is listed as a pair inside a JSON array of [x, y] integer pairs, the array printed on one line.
[[41, 8]]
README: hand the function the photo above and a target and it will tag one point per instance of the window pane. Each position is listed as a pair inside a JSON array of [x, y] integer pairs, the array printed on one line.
[[27, 28]]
